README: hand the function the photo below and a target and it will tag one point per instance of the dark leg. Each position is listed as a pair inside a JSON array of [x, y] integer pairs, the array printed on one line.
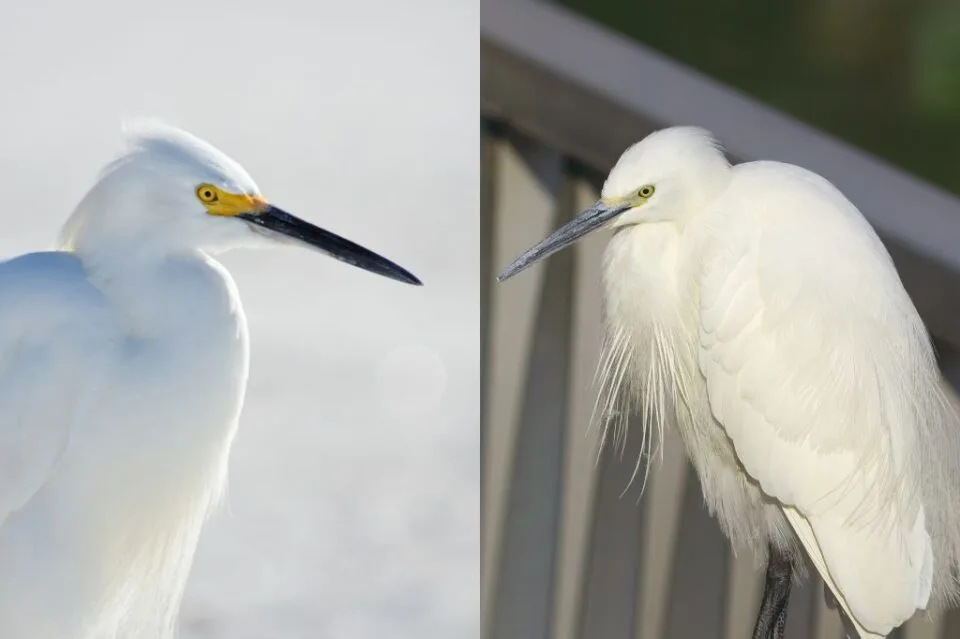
[[772, 619]]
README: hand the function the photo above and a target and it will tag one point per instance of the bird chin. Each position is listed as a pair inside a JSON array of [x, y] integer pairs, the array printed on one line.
[[265, 238]]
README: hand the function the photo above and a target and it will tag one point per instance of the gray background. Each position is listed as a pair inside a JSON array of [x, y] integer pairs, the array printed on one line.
[[353, 508]]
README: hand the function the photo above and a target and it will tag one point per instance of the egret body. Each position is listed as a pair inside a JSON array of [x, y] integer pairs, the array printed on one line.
[[753, 308], [123, 365]]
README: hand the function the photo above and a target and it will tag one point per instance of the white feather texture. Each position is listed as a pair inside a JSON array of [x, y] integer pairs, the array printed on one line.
[[123, 365], [754, 309]]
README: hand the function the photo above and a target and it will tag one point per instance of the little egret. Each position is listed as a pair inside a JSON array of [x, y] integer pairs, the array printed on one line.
[[753, 308], [123, 367]]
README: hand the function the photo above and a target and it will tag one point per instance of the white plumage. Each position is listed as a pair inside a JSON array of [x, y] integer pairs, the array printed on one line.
[[123, 364], [754, 308]]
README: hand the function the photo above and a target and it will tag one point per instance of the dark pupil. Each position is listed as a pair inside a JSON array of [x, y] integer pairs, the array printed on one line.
[[207, 194]]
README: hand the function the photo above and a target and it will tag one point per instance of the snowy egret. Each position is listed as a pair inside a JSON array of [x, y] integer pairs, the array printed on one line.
[[123, 366], [755, 309]]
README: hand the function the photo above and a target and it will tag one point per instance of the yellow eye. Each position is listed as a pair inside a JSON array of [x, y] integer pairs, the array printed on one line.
[[207, 193], [646, 191]]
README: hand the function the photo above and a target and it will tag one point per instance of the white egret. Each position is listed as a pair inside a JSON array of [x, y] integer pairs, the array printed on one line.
[[123, 366], [755, 309]]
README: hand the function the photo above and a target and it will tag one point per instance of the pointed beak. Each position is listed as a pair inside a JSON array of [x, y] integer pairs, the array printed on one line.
[[590, 220], [277, 221]]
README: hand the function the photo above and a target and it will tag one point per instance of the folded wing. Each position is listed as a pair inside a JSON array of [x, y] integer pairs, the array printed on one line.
[[55, 332], [821, 374]]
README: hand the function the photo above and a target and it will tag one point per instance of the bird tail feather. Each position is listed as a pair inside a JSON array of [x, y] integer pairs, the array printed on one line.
[[807, 537]]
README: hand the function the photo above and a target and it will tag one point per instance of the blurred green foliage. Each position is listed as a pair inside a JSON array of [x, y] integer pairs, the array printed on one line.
[[881, 74]]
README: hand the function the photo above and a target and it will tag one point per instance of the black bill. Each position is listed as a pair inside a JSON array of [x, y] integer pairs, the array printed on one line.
[[279, 221], [591, 219]]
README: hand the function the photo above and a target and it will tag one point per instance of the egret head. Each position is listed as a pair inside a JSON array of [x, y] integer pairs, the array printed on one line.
[[173, 192], [667, 176]]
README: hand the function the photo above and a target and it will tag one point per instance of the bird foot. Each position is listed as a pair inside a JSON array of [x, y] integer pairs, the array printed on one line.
[[772, 618]]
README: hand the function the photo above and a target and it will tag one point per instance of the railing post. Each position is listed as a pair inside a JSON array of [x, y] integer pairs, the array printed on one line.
[[525, 577]]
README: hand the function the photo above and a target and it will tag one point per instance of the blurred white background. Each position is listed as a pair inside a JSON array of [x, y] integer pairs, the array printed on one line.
[[354, 498]]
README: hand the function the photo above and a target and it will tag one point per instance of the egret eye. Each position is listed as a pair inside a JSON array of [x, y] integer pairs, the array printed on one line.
[[646, 191], [207, 193]]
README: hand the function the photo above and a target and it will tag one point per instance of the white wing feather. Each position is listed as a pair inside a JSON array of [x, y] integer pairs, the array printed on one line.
[[809, 347], [53, 328]]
